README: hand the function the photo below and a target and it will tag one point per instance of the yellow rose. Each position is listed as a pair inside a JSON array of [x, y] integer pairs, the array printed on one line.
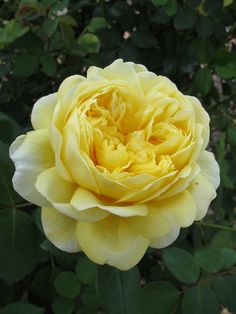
[[117, 161]]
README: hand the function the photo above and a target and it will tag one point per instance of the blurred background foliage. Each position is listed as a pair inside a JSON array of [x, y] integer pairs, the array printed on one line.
[[193, 42]]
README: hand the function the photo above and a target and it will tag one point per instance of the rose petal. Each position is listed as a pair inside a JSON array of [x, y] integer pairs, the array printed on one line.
[[32, 154], [165, 240], [59, 192], [203, 193], [210, 168], [202, 117], [112, 241], [179, 210], [41, 116], [84, 199], [60, 230]]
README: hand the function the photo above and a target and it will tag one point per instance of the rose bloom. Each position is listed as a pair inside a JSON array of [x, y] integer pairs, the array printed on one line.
[[117, 162]]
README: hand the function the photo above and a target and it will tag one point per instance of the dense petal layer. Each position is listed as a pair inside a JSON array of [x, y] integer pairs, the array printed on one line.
[[60, 192], [32, 154], [179, 210], [60, 230], [112, 241], [84, 199], [202, 117], [41, 116]]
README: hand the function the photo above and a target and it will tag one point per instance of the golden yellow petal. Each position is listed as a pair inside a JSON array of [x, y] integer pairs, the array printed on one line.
[[112, 241], [179, 211], [84, 199]]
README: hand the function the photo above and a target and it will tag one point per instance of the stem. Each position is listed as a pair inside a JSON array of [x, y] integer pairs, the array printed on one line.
[[204, 281], [16, 205], [205, 224]]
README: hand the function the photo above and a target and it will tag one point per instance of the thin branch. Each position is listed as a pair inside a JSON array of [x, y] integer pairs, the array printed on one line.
[[205, 224]]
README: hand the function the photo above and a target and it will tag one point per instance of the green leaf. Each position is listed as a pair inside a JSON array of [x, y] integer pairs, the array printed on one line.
[[89, 42], [231, 134], [63, 259], [49, 66], [8, 196], [223, 239], [119, 290], [85, 310], [41, 286], [203, 49], [67, 19], [67, 284], [203, 81], [171, 7], [200, 300], [208, 259], [25, 65], [193, 3], [228, 257], [223, 163], [49, 26], [18, 245], [160, 2], [181, 265], [22, 308], [62, 306], [204, 26], [13, 30], [226, 71], [211, 6], [97, 23], [159, 297], [9, 129], [224, 288], [90, 298], [184, 19], [86, 270], [68, 35]]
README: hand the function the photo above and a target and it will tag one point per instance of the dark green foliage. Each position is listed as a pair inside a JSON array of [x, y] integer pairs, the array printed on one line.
[[193, 43], [119, 290]]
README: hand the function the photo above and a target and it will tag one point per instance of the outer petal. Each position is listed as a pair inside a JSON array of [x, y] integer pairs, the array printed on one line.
[[118, 70], [179, 211], [32, 154], [165, 240], [112, 241], [60, 230], [84, 199], [202, 117], [41, 116], [59, 192], [69, 85], [203, 193], [210, 168], [151, 82]]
